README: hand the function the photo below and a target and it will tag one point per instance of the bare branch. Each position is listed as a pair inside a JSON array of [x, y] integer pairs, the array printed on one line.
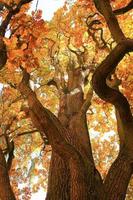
[[124, 9], [36, 5], [27, 132], [90, 25]]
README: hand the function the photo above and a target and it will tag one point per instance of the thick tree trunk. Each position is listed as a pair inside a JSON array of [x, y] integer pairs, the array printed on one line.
[[59, 179], [6, 192], [74, 162], [116, 182], [74, 120]]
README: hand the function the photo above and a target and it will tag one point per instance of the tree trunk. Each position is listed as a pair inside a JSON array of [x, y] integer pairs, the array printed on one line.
[[74, 120], [72, 172], [117, 180], [59, 179], [6, 192]]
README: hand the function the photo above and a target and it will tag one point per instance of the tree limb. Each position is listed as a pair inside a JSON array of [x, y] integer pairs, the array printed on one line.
[[125, 9], [101, 73], [3, 27], [105, 9], [87, 102]]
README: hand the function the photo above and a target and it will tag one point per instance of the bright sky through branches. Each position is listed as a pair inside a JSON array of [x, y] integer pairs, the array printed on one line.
[[48, 7]]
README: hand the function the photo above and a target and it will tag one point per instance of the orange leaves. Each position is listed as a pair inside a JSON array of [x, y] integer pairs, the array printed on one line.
[[24, 46], [26, 40], [11, 43], [15, 53], [37, 15]]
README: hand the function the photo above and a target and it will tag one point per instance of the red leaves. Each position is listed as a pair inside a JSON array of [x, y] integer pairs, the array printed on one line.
[[37, 15]]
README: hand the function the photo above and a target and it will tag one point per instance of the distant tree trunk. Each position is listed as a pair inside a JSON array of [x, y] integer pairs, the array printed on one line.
[[6, 192]]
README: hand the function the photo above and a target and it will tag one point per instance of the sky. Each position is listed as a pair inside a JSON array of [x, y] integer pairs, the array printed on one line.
[[48, 7]]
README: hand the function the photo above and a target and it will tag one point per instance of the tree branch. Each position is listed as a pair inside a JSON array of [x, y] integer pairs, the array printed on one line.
[[87, 102], [102, 72], [124, 9], [3, 27], [10, 14], [115, 83], [27, 132], [10, 154], [105, 9]]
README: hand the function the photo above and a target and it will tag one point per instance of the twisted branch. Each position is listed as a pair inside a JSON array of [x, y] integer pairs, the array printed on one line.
[[103, 71]]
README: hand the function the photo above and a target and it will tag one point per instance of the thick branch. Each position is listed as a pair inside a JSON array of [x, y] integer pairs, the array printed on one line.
[[117, 180], [102, 72], [105, 9], [48, 122], [122, 167], [115, 83]]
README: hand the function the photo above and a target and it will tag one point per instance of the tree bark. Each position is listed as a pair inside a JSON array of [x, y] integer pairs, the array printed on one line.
[[74, 120], [72, 158], [77, 168], [6, 192], [119, 175], [59, 179]]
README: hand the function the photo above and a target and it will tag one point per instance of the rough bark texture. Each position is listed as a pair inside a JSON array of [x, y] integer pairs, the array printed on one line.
[[59, 179], [117, 180], [72, 173], [6, 192], [119, 175]]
